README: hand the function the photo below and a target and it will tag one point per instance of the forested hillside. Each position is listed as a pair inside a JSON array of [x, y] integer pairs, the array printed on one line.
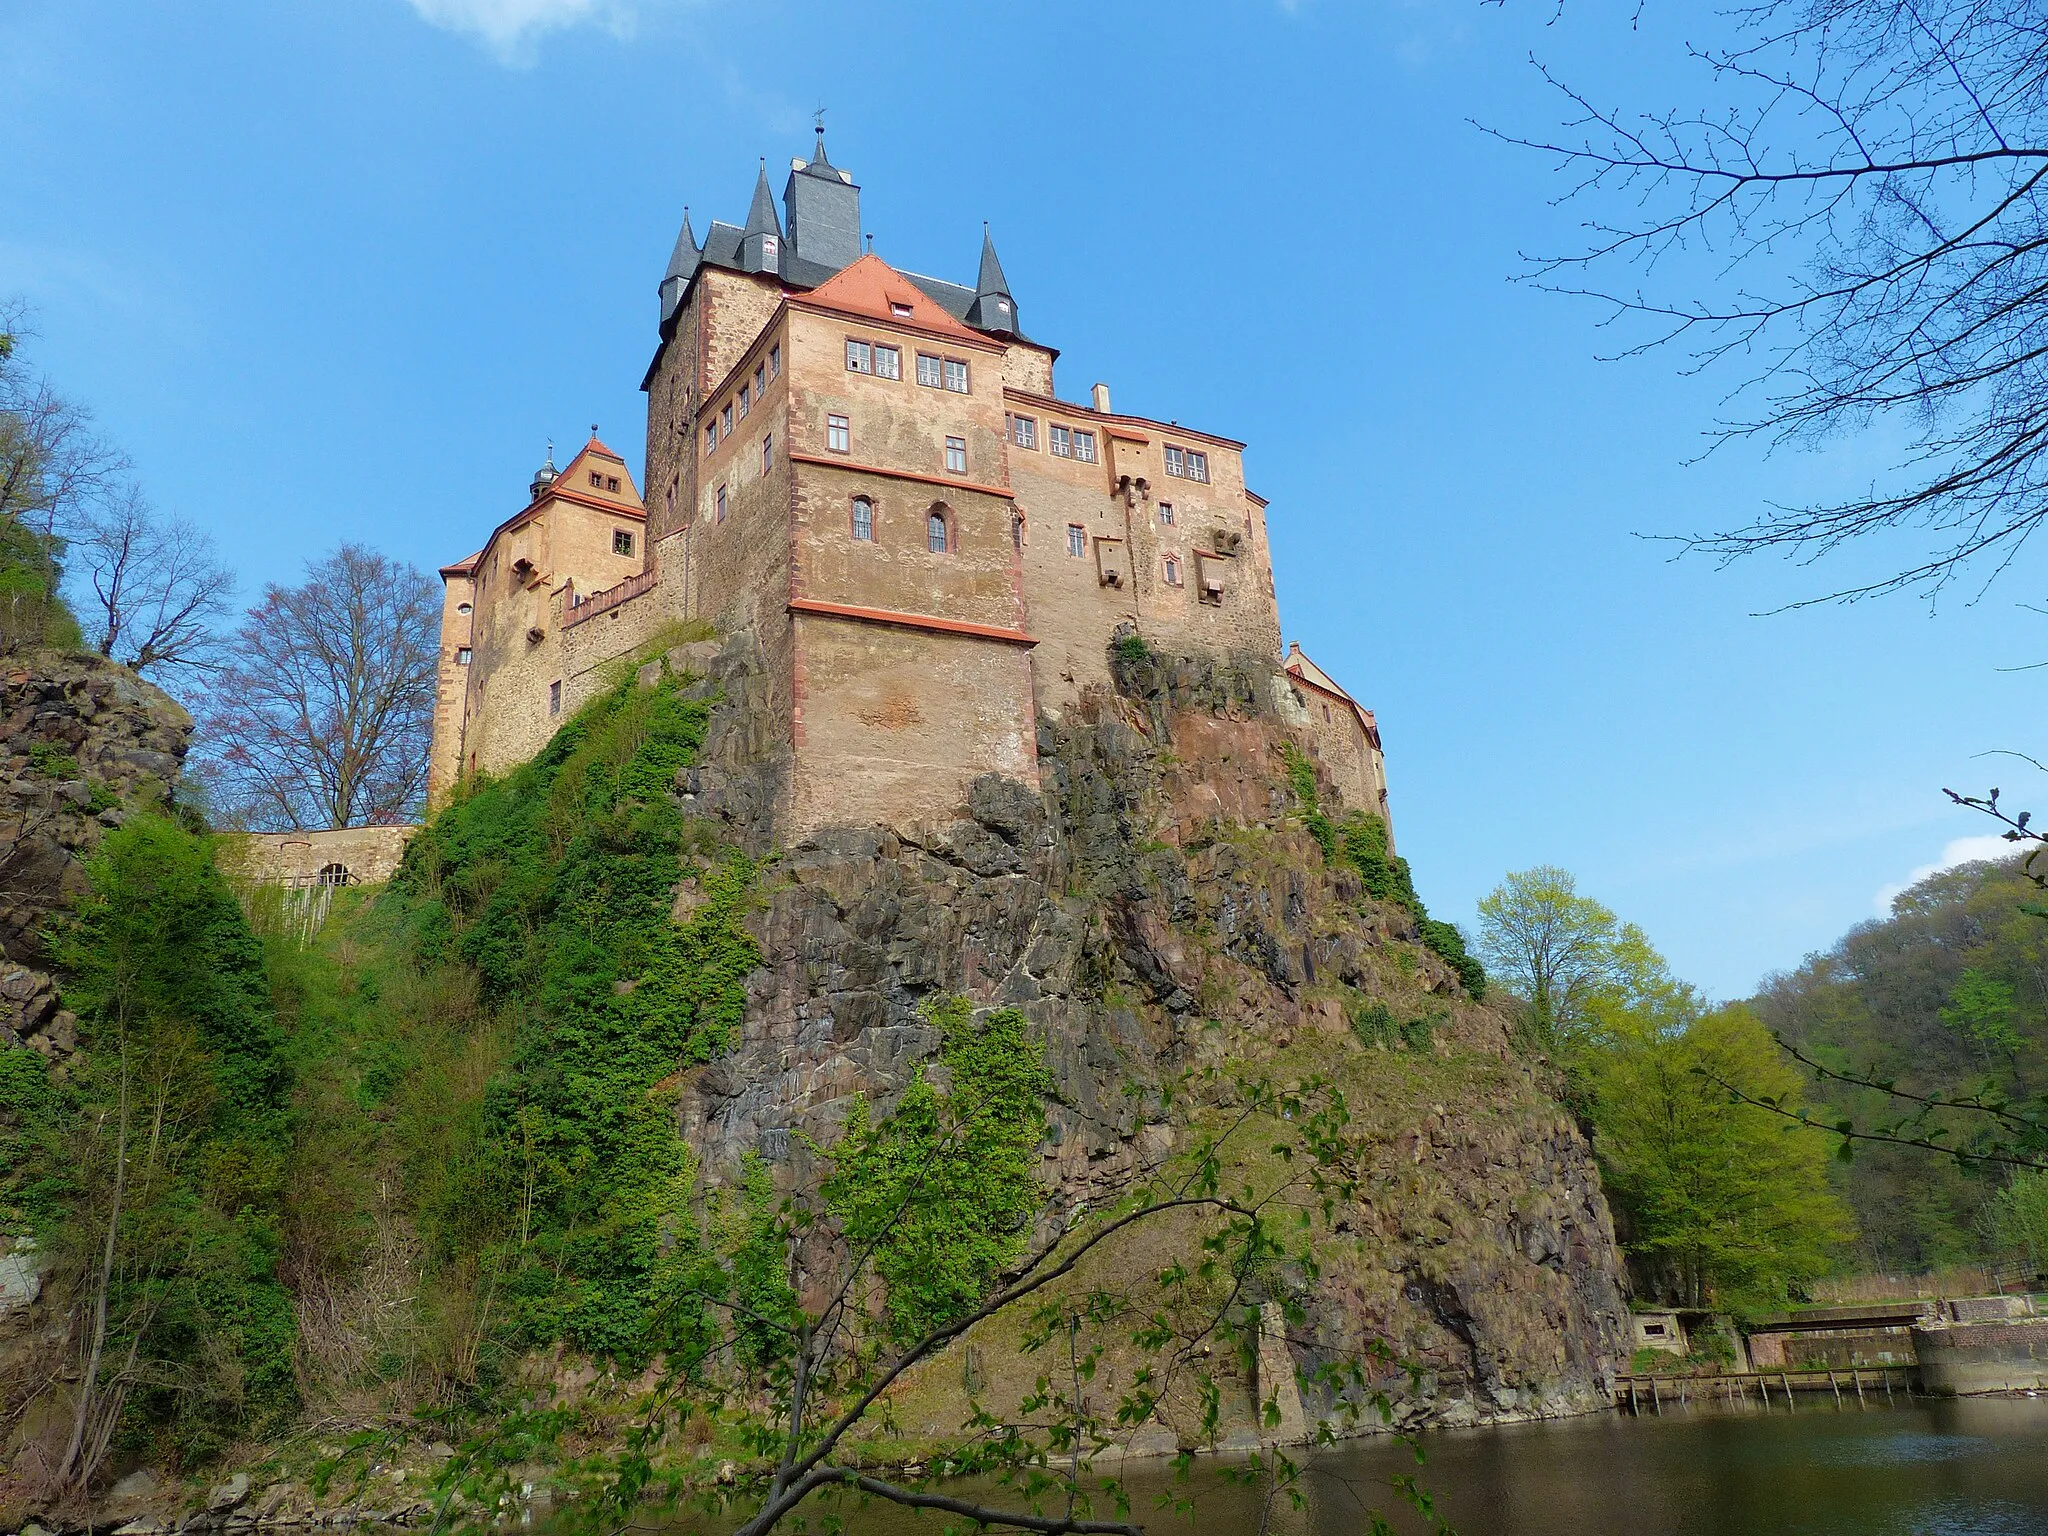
[[1949, 992]]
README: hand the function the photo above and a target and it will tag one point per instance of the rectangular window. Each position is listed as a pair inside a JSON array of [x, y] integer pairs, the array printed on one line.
[[767, 452], [596, 480], [622, 542], [775, 361], [760, 380], [611, 482], [1077, 541], [462, 656], [956, 376], [554, 698], [1023, 431], [859, 359], [1062, 444], [837, 438], [1166, 514], [888, 363], [1198, 465], [1172, 571], [725, 420], [771, 253], [901, 311], [956, 455], [721, 504], [1175, 465], [710, 435], [929, 373], [746, 401], [1084, 446]]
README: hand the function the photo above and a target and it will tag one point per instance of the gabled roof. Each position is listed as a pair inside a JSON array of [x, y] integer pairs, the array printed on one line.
[[462, 567], [873, 289], [1298, 666]]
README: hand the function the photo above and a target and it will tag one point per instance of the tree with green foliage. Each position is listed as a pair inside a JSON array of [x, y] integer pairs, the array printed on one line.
[[156, 1166], [1550, 946], [1723, 1207]]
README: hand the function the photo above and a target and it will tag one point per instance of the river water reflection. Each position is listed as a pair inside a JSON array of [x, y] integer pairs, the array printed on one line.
[[1926, 1468]]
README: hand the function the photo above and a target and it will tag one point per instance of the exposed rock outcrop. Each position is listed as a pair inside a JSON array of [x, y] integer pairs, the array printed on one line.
[[1153, 909], [86, 743]]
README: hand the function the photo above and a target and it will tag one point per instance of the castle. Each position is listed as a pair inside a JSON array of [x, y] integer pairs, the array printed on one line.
[[872, 472]]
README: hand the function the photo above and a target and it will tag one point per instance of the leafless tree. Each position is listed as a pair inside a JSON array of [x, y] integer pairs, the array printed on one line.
[[52, 463], [158, 588], [1857, 218], [322, 714]]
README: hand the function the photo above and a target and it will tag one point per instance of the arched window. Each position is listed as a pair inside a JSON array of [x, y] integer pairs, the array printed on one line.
[[333, 874], [863, 519], [1017, 530], [935, 530]]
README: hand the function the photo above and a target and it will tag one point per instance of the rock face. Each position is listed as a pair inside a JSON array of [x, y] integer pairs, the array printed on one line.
[[1152, 910], [86, 743]]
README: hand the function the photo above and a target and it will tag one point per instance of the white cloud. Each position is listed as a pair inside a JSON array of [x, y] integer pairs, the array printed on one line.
[[1960, 850], [509, 28]]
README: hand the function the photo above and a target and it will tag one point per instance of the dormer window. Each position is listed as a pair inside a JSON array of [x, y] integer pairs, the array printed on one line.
[[900, 311], [771, 251]]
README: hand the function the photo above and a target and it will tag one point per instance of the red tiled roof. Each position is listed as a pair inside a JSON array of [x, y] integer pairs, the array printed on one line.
[[873, 288]]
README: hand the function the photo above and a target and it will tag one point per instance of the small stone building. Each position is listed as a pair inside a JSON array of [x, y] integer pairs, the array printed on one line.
[[872, 475]]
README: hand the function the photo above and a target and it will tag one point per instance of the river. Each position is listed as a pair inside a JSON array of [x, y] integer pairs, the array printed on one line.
[[1970, 1467]]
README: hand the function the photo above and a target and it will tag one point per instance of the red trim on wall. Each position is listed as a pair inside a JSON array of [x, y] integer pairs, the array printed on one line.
[[911, 621], [840, 461]]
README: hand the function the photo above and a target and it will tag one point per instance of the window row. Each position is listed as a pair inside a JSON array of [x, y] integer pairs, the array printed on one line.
[[1061, 442], [939, 534], [600, 482], [718, 499], [886, 362], [1188, 463], [751, 392], [839, 438]]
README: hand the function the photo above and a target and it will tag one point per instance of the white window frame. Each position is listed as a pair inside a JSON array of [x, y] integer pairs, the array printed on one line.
[[956, 368], [1024, 432], [862, 504], [838, 434], [1166, 514], [859, 356], [888, 362], [931, 371], [1176, 462], [1077, 541], [1061, 444], [1198, 465], [956, 455], [1084, 447]]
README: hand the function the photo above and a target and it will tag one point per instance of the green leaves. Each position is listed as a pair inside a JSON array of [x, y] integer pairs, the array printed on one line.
[[943, 1191]]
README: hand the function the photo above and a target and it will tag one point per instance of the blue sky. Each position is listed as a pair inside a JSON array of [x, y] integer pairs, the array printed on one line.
[[337, 269]]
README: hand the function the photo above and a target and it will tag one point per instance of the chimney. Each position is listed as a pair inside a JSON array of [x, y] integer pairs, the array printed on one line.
[[1101, 397]]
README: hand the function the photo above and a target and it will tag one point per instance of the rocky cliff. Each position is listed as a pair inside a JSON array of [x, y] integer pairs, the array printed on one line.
[[86, 743], [1158, 907]]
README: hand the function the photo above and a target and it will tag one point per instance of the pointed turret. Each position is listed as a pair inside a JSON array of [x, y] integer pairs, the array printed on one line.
[[682, 265], [544, 477], [824, 211], [761, 241], [993, 309]]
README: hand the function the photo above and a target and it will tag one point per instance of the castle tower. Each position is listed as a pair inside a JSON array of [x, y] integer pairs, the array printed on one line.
[[870, 474]]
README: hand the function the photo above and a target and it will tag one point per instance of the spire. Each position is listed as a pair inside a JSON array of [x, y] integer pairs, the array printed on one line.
[[682, 265], [761, 242], [818, 160], [993, 308], [544, 476], [761, 219]]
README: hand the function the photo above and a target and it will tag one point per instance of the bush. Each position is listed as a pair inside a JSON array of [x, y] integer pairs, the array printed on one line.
[[1360, 841]]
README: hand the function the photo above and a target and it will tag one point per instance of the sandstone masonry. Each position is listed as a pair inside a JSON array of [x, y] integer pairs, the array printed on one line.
[[871, 474]]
